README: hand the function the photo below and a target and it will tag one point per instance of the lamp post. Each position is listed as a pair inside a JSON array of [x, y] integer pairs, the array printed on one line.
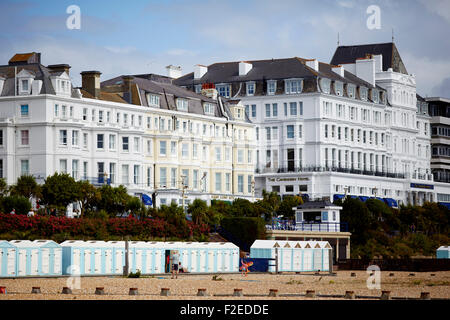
[[183, 187], [345, 192]]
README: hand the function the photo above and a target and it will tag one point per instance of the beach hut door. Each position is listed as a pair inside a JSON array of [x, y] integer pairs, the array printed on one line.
[[108, 261], [87, 261], [77, 259], [287, 258], [220, 261], [34, 261], [193, 265], [97, 261], [158, 261], [138, 263], [22, 262], [211, 255], [119, 261], [11, 263], [202, 260], [57, 260], [45, 260], [297, 260]]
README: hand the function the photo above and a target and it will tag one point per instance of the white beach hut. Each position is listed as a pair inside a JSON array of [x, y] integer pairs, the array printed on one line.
[[8, 259], [27, 258], [50, 258]]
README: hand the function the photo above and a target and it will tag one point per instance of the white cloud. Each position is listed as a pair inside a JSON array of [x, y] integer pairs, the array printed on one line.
[[439, 7], [120, 50], [346, 4]]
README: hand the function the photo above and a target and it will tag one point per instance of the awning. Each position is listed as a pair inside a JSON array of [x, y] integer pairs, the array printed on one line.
[[354, 197], [445, 204], [338, 196], [390, 202], [305, 197], [364, 198], [147, 200], [381, 199]]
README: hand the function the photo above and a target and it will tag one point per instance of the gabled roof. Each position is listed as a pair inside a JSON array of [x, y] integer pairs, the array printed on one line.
[[391, 56]]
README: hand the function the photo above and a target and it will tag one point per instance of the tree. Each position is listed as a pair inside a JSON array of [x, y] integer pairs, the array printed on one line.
[[173, 214], [59, 190], [287, 204], [88, 195], [244, 208], [113, 200], [3, 188], [27, 187], [199, 211], [359, 219], [269, 204], [21, 204], [135, 206]]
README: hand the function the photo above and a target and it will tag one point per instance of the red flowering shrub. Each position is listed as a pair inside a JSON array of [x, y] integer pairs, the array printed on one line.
[[50, 226]]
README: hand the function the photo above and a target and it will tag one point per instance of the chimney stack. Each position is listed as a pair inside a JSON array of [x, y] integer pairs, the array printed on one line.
[[339, 70], [244, 68], [313, 63], [59, 68], [199, 71], [90, 82], [173, 71]]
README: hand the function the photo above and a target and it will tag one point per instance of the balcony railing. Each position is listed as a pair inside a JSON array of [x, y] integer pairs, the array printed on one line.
[[309, 226], [331, 169]]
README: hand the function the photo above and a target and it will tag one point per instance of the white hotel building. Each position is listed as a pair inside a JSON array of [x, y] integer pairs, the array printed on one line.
[[139, 131], [325, 130]]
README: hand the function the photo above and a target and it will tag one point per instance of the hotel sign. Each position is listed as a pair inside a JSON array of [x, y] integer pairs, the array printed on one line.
[[287, 179], [422, 186]]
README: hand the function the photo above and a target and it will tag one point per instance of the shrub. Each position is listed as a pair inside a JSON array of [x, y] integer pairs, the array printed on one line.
[[245, 229], [20, 203]]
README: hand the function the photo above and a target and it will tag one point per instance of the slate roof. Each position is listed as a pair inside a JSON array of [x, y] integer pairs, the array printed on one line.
[[272, 69], [316, 204], [391, 56]]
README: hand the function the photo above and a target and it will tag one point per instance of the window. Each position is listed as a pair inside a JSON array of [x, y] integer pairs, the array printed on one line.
[[1, 138], [24, 167], [101, 172], [140, 121], [173, 177], [227, 154], [208, 108], [182, 104], [125, 144], [290, 131], [363, 93], [93, 115], [125, 174], [326, 131], [205, 153], [293, 86], [250, 88], [149, 176], [108, 116], [162, 148], [25, 85], [85, 140], [125, 119], [351, 91], [136, 144], [100, 141], [240, 183], [257, 133], [75, 138], [223, 90], [75, 169], [136, 174], [254, 110], [339, 88], [218, 182], [63, 137], [300, 105], [275, 133], [227, 182], [154, 100], [300, 131], [163, 177], [218, 154], [268, 138], [240, 157], [185, 177], [249, 184], [173, 148], [194, 150], [325, 85], [293, 108], [149, 123], [195, 179], [112, 172], [100, 116], [56, 111], [112, 141], [185, 150], [63, 166], [85, 112], [271, 87], [267, 110], [24, 110], [275, 110]]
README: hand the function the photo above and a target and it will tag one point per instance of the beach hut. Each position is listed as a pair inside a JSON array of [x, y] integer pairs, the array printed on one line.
[[50, 258], [443, 252], [295, 256], [8, 259], [27, 258]]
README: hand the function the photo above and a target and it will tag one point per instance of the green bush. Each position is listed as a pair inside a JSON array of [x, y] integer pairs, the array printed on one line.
[[21, 204]]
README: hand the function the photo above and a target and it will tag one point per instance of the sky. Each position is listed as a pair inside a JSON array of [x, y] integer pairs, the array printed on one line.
[[131, 37]]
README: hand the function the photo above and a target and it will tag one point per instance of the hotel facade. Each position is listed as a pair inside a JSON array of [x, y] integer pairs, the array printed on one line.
[[352, 127], [139, 131]]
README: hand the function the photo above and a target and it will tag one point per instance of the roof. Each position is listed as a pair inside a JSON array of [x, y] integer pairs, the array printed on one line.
[[437, 99], [391, 56], [269, 244], [29, 57], [316, 204]]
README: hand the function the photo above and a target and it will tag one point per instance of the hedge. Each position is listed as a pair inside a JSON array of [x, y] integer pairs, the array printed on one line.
[[63, 228]]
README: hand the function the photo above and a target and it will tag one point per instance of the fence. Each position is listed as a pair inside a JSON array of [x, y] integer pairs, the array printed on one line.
[[418, 265], [305, 226]]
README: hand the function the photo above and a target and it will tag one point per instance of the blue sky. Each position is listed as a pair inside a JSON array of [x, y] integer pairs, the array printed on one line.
[[127, 37]]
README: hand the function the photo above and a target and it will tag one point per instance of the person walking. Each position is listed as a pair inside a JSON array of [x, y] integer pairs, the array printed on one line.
[[175, 262]]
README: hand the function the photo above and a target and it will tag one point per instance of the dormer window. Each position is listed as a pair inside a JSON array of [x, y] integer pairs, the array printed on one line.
[[250, 88], [223, 90], [154, 100], [24, 81], [25, 85], [293, 86], [375, 95], [61, 83], [351, 91], [363, 93], [325, 85], [208, 108], [271, 87], [339, 88], [182, 104], [198, 88]]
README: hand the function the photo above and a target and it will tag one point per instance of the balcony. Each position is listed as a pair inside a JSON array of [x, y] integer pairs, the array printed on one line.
[[307, 226]]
